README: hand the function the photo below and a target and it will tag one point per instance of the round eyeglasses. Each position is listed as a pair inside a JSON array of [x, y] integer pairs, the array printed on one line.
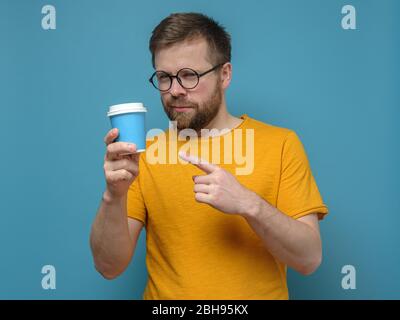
[[186, 77]]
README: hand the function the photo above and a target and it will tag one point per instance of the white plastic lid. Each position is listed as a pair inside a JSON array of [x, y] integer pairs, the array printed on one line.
[[125, 108]]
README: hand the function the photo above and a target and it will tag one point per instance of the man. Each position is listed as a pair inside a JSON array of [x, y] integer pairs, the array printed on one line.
[[211, 233]]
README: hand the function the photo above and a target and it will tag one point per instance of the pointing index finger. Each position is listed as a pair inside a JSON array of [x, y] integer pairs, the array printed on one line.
[[199, 163]]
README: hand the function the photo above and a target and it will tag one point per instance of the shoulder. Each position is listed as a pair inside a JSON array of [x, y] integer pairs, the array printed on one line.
[[270, 131]]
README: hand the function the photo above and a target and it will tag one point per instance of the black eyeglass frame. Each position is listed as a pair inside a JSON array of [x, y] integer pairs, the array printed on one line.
[[171, 77]]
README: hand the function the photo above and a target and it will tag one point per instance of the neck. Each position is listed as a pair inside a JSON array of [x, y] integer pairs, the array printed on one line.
[[223, 120]]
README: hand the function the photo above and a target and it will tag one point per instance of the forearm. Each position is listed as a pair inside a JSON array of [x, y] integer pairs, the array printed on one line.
[[110, 241], [290, 241]]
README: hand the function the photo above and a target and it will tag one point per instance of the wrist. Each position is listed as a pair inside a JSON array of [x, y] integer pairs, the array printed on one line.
[[253, 206], [109, 198]]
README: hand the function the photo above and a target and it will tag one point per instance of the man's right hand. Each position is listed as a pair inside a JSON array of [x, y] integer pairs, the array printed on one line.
[[120, 170]]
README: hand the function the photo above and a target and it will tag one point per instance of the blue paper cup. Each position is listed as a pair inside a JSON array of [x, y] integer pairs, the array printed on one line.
[[129, 118]]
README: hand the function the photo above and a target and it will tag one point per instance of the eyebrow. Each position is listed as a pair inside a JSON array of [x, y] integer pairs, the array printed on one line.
[[170, 73], [186, 67]]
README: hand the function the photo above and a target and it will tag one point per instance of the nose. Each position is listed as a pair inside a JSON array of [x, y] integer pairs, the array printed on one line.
[[176, 89]]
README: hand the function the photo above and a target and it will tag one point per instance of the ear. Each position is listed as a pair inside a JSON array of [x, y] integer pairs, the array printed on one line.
[[226, 75]]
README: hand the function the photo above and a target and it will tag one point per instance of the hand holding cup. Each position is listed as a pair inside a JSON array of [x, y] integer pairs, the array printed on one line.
[[121, 165]]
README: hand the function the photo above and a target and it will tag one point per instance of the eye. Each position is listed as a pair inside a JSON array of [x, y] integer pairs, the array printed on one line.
[[187, 74], [162, 76]]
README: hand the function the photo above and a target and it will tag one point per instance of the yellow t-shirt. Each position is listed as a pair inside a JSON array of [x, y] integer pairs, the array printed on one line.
[[197, 252]]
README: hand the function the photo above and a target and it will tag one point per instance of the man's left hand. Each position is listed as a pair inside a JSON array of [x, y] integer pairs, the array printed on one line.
[[219, 188]]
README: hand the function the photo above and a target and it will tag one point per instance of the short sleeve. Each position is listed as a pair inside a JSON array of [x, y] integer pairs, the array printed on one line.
[[298, 194], [136, 207]]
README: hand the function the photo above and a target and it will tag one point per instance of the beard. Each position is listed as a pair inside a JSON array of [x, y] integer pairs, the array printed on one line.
[[199, 116]]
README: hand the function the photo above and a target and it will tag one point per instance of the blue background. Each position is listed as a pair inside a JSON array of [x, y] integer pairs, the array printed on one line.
[[293, 66]]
